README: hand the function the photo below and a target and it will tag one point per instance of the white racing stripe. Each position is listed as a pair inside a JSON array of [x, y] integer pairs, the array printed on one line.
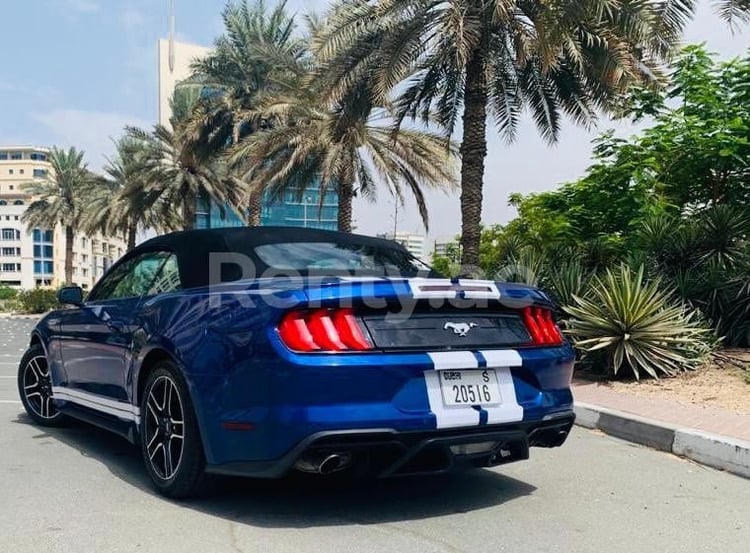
[[453, 360], [502, 358], [509, 410], [449, 416], [96, 402], [426, 288], [490, 292], [452, 416]]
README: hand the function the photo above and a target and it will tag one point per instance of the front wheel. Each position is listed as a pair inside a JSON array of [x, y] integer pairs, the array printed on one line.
[[35, 388], [170, 440]]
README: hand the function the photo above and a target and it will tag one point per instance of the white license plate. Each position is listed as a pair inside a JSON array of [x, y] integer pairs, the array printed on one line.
[[472, 387]]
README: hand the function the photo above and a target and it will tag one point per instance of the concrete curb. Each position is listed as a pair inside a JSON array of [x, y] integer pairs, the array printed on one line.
[[721, 452], [21, 316]]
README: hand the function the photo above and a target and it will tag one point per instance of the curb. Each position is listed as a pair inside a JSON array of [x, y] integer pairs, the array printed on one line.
[[20, 316], [720, 452]]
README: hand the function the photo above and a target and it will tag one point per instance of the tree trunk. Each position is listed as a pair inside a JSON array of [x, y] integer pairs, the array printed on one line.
[[346, 195], [188, 212], [70, 236], [255, 207], [473, 153], [132, 231]]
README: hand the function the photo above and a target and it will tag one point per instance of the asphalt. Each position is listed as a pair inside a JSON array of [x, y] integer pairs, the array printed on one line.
[[82, 490]]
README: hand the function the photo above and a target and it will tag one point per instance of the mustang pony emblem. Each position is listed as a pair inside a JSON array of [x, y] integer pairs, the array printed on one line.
[[460, 329]]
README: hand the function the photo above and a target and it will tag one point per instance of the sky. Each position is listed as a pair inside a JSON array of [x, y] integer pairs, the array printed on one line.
[[75, 72]]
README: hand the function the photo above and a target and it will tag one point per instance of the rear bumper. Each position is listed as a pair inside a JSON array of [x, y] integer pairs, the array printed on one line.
[[384, 453], [283, 402]]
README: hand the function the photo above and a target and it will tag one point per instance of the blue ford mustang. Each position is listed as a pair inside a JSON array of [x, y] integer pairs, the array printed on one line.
[[256, 351]]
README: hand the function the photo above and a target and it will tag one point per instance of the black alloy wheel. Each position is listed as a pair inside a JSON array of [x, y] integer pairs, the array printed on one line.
[[35, 388], [170, 438]]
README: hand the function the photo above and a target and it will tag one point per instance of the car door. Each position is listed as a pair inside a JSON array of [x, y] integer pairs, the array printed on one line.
[[96, 337]]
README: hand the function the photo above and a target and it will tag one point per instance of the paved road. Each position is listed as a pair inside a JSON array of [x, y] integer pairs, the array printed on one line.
[[81, 490]]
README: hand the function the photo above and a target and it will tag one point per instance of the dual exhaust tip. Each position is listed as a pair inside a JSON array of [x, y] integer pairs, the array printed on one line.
[[324, 462]]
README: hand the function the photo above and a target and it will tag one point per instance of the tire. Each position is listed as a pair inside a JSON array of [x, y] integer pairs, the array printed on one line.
[[35, 389], [172, 450]]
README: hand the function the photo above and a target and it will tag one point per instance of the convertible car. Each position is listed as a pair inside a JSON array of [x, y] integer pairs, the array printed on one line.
[[258, 351]]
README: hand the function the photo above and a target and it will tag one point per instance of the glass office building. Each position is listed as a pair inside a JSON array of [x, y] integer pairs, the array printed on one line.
[[291, 211]]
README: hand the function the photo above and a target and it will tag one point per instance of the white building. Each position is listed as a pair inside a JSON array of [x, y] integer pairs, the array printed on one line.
[[174, 66], [32, 257], [414, 243], [443, 247]]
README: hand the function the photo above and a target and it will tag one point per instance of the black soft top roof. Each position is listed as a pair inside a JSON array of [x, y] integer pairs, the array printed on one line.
[[193, 247]]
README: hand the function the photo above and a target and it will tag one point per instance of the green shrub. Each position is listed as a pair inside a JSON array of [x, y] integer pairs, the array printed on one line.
[[706, 259], [37, 300], [7, 293], [566, 281], [527, 267], [628, 322]]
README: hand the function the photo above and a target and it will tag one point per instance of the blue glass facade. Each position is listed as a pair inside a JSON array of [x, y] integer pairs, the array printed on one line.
[[43, 252], [292, 211], [208, 215], [305, 211]]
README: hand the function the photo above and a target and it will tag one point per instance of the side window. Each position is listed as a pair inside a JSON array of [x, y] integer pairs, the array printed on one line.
[[168, 279], [132, 278]]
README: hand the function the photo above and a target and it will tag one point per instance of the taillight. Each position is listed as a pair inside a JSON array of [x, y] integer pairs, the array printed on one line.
[[542, 327], [323, 330]]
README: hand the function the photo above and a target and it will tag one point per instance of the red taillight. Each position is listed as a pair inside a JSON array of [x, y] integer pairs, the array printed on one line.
[[542, 327], [295, 334], [323, 330], [350, 331]]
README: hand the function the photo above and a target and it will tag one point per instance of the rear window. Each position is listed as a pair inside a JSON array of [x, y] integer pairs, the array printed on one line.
[[331, 258]]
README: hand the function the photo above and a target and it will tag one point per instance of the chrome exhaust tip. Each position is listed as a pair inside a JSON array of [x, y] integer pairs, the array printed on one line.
[[325, 463], [332, 463]]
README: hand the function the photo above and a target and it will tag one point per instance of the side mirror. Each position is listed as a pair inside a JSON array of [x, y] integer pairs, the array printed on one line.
[[70, 295]]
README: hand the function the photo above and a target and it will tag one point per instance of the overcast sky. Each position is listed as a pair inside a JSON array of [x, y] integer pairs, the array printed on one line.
[[74, 72]]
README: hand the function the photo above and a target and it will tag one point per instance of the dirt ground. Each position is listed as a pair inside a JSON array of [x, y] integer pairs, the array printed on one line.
[[719, 384]]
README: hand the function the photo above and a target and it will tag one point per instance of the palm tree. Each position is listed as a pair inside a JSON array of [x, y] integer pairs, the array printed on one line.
[[237, 63], [734, 12], [59, 198], [310, 143], [472, 59], [295, 137], [239, 68], [176, 172], [120, 202]]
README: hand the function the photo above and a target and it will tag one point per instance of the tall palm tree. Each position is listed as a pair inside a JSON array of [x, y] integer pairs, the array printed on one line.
[[59, 198], [237, 63], [238, 69], [471, 59], [120, 202], [311, 143], [176, 172], [298, 138]]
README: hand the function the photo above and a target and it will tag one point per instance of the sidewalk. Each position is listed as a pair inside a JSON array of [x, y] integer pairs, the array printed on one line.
[[716, 437]]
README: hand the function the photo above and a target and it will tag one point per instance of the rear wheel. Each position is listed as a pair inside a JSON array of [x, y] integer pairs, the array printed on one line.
[[35, 388], [170, 440]]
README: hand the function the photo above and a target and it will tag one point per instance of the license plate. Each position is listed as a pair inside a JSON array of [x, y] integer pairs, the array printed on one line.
[[472, 387]]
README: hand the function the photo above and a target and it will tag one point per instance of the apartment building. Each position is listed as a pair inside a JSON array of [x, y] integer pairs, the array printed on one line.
[[414, 243], [31, 257]]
